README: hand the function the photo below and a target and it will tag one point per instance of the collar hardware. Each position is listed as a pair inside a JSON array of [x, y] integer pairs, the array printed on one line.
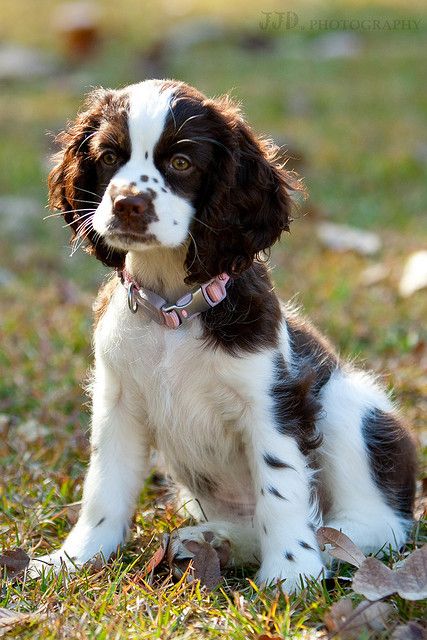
[[191, 304]]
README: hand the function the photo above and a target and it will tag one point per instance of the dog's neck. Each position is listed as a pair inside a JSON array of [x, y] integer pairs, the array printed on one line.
[[159, 269]]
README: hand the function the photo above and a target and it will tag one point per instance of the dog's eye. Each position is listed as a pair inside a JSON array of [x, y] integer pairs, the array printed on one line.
[[109, 158], [180, 163]]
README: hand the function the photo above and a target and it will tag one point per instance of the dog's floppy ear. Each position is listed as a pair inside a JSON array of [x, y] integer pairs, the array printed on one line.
[[247, 208], [73, 184]]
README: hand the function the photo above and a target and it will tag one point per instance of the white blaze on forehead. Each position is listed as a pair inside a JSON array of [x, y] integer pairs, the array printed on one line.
[[149, 105]]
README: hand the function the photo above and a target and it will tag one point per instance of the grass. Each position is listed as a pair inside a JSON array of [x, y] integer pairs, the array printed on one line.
[[358, 123]]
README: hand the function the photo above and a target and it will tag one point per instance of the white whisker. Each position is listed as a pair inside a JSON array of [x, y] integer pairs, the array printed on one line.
[[61, 213], [89, 213], [92, 193]]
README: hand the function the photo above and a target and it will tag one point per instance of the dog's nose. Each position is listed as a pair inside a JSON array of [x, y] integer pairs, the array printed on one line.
[[125, 206]]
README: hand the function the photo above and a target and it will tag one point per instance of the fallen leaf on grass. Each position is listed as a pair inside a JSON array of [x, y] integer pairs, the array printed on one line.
[[266, 637], [10, 619], [204, 560], [157, 556], [340, 237], [70, 511], [342, 619], [206, 566], [414, 275], [410, 631], [15, 561], [412, 576], [374, 580], [340, 546]]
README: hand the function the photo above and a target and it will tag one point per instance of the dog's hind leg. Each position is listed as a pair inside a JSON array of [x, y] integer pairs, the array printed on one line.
[[367, 463]]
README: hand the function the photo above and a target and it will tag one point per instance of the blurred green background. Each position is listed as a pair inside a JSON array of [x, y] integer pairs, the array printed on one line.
[[341, 85]]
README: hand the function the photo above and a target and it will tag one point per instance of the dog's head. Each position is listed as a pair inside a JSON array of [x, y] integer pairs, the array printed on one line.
[[159, 164]]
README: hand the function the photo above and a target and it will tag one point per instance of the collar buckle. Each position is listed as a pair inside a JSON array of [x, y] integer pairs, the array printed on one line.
[[189, 305]]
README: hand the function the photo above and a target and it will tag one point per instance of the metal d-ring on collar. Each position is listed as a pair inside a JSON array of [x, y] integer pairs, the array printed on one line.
[[201, 299]]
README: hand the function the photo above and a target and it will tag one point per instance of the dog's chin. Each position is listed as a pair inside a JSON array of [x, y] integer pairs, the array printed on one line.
[[130, 241]]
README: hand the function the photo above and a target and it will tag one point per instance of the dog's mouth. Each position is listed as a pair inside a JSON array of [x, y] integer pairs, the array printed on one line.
[[120, 238], [135, 230]]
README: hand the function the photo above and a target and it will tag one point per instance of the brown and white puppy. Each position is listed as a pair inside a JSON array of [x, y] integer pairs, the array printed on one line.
[[251, 408]]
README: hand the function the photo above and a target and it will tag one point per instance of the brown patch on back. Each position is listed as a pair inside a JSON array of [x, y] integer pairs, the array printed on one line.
[[311, 351], [103, 298]]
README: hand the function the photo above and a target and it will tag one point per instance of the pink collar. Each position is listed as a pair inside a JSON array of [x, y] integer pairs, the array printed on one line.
[[187, 307]]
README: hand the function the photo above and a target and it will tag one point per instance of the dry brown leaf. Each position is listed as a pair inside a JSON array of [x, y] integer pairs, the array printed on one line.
[[373, 615], [264, 636], [204, 560], [410, 631], [10, 619], [15, 561], [342, 619], [341, 546], [337, 615], [157, 556], [412, 576], [73, 512], [375, 581], [206, 567]]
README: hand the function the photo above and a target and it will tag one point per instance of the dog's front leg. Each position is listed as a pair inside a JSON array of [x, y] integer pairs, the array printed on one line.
[[118, 466], [284, 509]]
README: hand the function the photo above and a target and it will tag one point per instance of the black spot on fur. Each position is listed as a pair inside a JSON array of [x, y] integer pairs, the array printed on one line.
[[275, 463], [146, 155], [392, 458], [289, 556], [164, 190], [276, 493], [175, 222], [155, 180], [264, 528], [98, 524], [262, 492], [305, 545], [144, 178]]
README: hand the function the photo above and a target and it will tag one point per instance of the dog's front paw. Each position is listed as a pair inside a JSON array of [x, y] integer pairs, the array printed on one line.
[[83, 544], [56, 562], [294, 575]]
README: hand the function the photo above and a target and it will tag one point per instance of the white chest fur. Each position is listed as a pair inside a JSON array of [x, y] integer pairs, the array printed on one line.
[[188, 397]]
